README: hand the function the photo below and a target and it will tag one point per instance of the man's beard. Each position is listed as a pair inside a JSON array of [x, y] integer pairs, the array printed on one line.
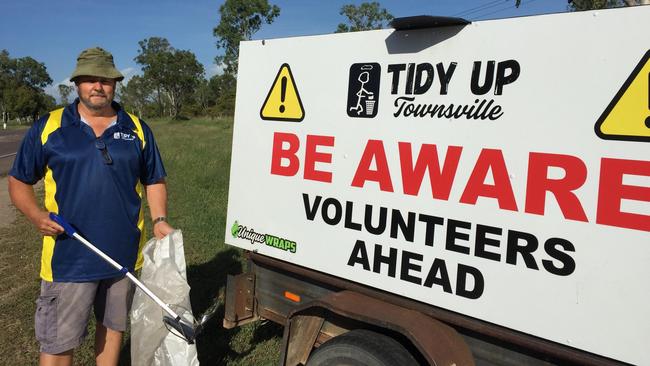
[[96, 106]]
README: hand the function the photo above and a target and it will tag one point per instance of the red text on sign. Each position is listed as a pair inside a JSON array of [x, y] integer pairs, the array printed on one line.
[[415, 167]]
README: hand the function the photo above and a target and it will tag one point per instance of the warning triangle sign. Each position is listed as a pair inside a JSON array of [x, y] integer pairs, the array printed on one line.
[[283, 101], [628, 115]]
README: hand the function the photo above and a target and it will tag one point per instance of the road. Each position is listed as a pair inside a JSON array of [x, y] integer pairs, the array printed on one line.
[[9, 143]]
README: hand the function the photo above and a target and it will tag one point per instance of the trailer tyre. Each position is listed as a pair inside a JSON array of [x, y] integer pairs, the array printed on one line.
[[361, 348]]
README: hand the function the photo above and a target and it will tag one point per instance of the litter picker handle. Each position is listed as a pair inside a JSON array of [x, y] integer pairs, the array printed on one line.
[[59, 220], [72, 232]]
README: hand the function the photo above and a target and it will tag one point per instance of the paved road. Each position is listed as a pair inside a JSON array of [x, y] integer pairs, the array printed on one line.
[[9, 142]]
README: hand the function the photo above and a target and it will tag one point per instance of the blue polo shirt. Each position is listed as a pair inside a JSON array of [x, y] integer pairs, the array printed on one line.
[[96, 184]]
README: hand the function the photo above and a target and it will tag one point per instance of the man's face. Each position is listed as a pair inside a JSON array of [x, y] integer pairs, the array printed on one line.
[[94, 92]]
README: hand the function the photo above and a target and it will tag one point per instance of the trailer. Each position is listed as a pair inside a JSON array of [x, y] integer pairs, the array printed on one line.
[[447, 192]]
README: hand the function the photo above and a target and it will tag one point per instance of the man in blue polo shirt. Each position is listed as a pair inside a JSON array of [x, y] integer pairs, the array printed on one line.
[[97, 162]]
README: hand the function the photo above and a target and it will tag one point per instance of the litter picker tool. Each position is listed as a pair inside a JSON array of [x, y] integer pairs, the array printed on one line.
[[185, 329]]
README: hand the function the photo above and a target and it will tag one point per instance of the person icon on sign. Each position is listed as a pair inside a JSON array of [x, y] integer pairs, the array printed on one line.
[[363, 90], [364, 77]]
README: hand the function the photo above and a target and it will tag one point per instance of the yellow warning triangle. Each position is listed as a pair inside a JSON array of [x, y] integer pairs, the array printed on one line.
[[283, 101], [628, 115]]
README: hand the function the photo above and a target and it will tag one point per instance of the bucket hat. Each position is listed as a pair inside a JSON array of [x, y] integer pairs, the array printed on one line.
[[96, 62]]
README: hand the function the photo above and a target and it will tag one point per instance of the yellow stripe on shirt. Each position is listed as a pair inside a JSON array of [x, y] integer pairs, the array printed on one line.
[[138, 128], [140, 189], [53, 123]]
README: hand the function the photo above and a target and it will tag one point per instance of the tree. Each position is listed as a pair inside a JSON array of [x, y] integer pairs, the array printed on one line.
[[203, 97], [135, 95], [172, 73], [366, 16], [240, 19], [6, 67], [21, 87], [65, 91], [182, 75], [580, 5], [150, 57], [32, 73], [223, 88]]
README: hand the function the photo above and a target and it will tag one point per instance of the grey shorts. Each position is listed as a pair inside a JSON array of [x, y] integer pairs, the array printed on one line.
[[63, 310]]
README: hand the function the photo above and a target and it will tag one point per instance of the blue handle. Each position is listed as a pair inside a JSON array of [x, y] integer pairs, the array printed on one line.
[[61, 221]]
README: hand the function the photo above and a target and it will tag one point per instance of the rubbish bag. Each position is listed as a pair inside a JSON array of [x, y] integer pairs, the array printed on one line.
[[163, 272]]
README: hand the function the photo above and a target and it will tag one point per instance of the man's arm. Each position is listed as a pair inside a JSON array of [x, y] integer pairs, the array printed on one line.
[[157, 199], [22, 196]]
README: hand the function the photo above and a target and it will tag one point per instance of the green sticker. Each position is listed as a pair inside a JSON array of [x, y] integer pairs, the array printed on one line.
[[234, 229]]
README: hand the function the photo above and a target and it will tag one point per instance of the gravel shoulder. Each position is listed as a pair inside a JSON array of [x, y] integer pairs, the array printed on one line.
[[7, 210]]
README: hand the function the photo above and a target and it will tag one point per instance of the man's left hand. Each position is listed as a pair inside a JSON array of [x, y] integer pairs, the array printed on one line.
[[162, 229]]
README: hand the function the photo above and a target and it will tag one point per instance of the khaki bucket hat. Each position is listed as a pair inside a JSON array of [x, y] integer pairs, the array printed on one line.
[[96, 62]]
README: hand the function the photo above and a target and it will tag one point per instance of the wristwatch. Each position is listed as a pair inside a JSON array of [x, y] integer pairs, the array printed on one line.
[[159, 219]]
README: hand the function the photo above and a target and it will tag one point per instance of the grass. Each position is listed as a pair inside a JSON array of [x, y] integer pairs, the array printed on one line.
[[196, 154]]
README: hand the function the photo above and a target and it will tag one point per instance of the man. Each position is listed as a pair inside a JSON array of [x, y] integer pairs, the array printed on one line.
[[95, 160]]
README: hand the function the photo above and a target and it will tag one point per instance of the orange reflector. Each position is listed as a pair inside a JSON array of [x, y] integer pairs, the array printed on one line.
[[291, 296]]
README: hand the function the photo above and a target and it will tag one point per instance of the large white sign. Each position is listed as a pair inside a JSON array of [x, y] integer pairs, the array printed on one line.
[[500, 170]]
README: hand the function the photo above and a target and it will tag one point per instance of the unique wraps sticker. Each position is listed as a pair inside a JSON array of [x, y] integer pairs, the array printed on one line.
[[249, 234]]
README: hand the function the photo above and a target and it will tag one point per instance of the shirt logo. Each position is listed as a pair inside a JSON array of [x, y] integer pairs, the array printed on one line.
[[123, 136]]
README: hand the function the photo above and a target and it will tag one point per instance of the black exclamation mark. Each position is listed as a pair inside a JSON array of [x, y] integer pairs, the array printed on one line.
[[283, 93], [647, 120]]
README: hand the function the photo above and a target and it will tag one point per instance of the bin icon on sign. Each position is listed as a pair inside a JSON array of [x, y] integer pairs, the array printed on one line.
[[363, 90]]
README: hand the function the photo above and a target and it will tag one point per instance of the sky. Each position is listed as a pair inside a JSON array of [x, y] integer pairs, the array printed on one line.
[[55, 32]]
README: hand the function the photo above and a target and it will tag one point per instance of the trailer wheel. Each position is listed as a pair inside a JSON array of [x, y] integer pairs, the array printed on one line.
[[361, 348]]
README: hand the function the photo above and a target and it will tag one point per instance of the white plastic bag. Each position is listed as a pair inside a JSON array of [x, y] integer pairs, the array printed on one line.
[[163, 272]]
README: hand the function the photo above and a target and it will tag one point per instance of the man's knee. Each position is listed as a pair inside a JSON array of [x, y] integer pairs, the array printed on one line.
[[61, 359]]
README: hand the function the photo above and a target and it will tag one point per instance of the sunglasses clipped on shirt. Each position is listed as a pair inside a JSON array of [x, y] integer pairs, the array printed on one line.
[[101, 146]]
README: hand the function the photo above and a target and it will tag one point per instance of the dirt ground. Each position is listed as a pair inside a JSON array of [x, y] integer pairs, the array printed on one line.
[[7, 211]]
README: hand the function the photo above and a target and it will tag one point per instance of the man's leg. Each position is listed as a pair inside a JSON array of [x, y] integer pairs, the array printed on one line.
[[112, 305], [62, 359], [62, 312], [107, 346]]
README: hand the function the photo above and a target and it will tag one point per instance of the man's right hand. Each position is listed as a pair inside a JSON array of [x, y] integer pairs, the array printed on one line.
[[22, 196], [45, 225]]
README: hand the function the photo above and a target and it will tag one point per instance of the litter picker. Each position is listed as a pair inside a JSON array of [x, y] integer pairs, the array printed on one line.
[[186, 330]]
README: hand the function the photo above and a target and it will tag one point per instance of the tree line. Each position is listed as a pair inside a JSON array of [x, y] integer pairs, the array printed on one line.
[[22, 83], [173, 83]]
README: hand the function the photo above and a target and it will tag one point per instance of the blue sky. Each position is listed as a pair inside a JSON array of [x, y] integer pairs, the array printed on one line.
[[54, 32]]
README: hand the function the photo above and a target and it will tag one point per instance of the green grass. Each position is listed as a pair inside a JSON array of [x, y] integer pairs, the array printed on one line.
[[196, 154], [20, 252]]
